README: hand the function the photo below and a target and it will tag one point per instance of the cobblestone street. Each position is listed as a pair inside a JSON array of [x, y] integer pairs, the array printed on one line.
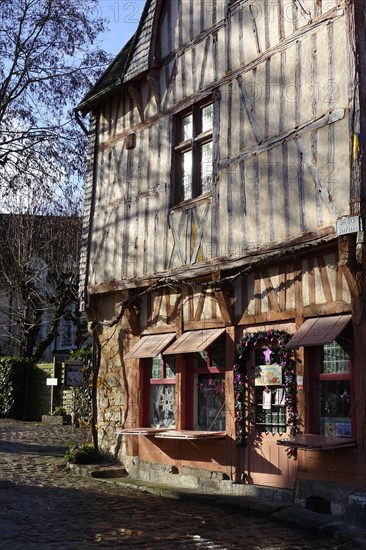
[[44, 505]]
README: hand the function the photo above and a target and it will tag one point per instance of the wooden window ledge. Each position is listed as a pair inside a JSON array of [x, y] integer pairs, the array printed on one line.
[[141, 431], [314, 442], [190, 434]]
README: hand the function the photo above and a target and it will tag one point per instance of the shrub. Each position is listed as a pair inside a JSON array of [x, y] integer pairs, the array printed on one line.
[[60, 411], [82, 395], [12, 385], [83, 454]]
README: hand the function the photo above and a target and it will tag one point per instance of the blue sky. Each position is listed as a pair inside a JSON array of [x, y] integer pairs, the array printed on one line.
[[123, 17]]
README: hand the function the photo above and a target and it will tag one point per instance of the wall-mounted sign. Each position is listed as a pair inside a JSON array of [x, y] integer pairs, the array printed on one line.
[[73, 374], [352, 224], [300, 382], [268, 375]]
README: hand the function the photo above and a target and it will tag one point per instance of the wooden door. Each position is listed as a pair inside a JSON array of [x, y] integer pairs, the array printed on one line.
[[265, 462]]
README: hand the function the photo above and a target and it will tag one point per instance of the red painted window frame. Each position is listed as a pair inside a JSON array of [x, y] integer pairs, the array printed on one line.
[[147, 382], [191, 371], [313, 359]]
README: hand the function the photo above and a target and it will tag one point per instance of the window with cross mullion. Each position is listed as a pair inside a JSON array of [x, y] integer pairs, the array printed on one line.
[[334, 393], [209, 373], [193, 152], [331, 411], [162, 392]]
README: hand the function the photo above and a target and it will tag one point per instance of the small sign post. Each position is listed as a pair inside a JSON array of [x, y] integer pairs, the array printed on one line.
[[51, 382]]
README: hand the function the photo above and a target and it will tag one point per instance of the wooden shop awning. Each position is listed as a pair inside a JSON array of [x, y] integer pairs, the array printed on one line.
[[316, 442], [319, 331], [141, 431], [194, 341], [150, 345], [190, 434]]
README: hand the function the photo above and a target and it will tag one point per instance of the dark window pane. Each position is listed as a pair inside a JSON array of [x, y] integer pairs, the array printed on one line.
[[335, 408], [218, 353], [200, 360], [211, 402]]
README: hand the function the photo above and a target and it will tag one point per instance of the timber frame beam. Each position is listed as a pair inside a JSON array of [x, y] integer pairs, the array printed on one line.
[[246, 263], [135, 94], [352, 269]]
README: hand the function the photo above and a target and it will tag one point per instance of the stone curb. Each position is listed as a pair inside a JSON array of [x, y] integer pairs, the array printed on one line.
[[293, 515]]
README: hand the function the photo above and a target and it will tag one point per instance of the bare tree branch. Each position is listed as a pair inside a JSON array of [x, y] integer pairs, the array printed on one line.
[[48, 58], [39, 258]]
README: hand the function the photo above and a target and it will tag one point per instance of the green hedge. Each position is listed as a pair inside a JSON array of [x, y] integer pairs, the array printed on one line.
[[12, 386]]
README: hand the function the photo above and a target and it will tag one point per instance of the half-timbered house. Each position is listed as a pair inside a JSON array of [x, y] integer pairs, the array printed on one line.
[[223, 247]]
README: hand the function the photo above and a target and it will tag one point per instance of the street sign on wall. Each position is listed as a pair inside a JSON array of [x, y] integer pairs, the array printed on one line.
[[352, 224]]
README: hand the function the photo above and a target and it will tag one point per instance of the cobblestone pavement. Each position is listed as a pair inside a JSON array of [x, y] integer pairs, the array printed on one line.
[[45, 506]]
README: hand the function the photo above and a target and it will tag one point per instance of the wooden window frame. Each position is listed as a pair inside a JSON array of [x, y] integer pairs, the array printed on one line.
[[314, 358], [193, 144], [148, 382], [191, 372]]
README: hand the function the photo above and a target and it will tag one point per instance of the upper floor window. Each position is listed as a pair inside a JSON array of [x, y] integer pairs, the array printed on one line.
[[193, 152]]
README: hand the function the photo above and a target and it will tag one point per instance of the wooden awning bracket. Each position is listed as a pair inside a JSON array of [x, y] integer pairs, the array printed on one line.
[[225, 306], [350, 263]]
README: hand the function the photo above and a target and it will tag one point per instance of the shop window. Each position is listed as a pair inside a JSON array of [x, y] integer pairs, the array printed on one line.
[[334, 390], [269, 394], [328, 358], [162, 392], [192, 166], [209, 387]]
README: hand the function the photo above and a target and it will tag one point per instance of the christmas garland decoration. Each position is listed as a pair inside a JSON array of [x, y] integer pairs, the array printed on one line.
[[270, 339]]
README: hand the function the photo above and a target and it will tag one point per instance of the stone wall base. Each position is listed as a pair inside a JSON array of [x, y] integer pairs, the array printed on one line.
[[345, 501], [205, 481], [342, 501], [52, 420]]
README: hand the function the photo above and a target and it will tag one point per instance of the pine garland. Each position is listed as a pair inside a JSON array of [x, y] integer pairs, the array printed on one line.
[[277, 340]]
